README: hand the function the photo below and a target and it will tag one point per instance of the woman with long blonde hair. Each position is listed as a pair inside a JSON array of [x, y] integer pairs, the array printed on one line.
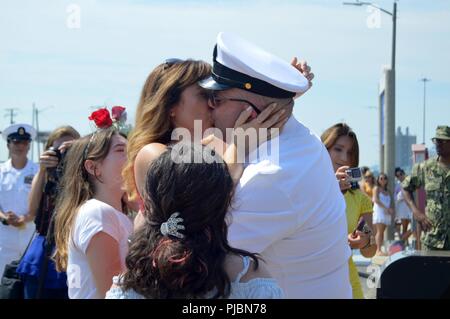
[[91, 227]]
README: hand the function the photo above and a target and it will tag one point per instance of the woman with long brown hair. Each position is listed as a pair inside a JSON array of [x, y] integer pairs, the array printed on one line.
[[170, 99], [342, 145], [91, 226]]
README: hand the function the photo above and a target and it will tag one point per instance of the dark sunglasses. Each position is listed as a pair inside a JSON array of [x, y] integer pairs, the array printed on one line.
[[438, 141], [215, 101]]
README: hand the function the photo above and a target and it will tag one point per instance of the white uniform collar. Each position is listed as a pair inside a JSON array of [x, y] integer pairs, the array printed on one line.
[[27, 165]]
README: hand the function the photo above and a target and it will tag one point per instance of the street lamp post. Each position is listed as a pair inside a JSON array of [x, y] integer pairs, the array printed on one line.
[[389, 120]]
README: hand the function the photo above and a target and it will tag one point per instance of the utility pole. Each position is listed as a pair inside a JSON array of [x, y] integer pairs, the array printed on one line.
[[36, 113], [11, 112], [33, 125], [37, 131], [424, 80]]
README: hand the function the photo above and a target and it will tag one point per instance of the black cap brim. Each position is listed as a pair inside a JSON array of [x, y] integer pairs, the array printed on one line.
[[17, 137], [211, 84]]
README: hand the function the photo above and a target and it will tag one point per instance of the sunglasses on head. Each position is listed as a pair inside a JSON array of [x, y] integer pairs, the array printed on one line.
[[169, 62]]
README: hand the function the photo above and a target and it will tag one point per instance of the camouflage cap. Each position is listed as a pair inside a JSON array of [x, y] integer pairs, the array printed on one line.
[[442, 132]]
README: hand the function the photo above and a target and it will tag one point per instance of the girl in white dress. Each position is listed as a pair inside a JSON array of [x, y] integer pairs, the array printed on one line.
[[382, 211]]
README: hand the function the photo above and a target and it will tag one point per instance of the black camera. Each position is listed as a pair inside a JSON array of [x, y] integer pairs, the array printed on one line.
[[57, 151], [55, 173], [355, 175]]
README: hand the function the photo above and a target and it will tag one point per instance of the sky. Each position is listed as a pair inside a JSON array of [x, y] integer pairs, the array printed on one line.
[[68, 69]]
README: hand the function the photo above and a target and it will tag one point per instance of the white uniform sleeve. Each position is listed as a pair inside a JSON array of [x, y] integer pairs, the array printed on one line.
[[262, 214], [92, 220]]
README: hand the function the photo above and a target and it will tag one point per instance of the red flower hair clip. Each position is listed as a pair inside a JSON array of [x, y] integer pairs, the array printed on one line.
[[103, 119]]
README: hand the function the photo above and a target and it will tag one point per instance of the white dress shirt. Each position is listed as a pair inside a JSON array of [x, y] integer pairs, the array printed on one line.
[[290, 210]]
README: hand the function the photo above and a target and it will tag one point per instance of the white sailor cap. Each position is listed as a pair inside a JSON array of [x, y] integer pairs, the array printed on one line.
[[19, 132], [238, 63]]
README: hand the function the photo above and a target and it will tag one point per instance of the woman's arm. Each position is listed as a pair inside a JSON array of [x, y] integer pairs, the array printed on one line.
[[142, 162], [47, 160], [37, 189], [103, 256]]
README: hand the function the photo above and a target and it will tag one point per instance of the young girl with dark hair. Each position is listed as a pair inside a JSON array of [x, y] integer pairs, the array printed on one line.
[[181, 249]]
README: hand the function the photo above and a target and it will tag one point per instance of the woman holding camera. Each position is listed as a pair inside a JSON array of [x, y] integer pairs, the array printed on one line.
[[36, 269], [342, 145]]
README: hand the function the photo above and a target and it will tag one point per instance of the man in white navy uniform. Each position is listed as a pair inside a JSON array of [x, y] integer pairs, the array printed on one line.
[[16, 175], [289, 209]]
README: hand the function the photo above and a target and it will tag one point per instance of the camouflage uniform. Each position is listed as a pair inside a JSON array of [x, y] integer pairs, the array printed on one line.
[[435, 178]]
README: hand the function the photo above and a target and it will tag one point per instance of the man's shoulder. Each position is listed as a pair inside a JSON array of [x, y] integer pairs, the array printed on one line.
[[430, 166], [97, 210], [431, 161], [295, 128], [425, 165], [265, 171]]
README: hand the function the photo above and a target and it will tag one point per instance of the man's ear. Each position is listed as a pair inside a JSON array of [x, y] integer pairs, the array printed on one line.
[[90, 167]]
